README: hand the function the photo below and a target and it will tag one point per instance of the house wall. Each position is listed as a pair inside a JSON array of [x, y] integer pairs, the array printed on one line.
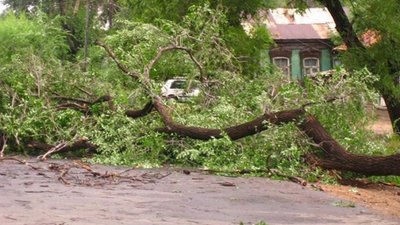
[[297, 50]]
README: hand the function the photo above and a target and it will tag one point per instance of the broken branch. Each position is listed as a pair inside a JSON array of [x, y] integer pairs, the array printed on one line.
[[82, 143], [56, 148], [161, 51], [141, 112], [121, 66]]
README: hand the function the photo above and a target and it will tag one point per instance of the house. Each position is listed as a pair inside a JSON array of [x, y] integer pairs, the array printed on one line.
[[303, 41]]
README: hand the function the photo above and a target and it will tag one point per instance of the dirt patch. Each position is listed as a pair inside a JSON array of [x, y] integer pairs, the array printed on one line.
[[384, 198], [382, 124]]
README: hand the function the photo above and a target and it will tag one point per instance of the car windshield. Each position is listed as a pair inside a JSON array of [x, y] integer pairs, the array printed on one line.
[[178, 84]]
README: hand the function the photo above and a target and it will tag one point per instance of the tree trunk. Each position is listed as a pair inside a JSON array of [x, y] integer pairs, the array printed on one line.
[[141, 112], [76, 7], [73, 43], [343, 25], [336, 157], [235, 132], [111, 11], [393, 107], [87, 32]]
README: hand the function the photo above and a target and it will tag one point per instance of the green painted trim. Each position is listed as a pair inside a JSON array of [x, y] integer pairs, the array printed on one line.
[[295, 64], [326, 60]]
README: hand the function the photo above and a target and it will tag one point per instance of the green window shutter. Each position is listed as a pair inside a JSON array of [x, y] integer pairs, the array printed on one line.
[[296, 64], [326, 60]]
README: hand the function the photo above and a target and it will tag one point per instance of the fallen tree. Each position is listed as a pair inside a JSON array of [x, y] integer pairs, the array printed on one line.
[[332, 155], [66, 119], [234, 133], [337, 158]]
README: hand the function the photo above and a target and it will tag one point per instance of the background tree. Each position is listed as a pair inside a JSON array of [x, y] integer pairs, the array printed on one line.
[[248, 49], [73, 14], [372, 38]]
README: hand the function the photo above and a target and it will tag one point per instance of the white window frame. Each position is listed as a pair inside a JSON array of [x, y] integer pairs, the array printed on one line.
[[288, 64], [310, 67]]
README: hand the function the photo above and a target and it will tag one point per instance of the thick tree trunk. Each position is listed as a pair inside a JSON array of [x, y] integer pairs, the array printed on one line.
[[111, 12], [87, 32], [343, 25], [336, 157], [333, 156], [346, 31], [235, 132], [73, 43], [393, 107]]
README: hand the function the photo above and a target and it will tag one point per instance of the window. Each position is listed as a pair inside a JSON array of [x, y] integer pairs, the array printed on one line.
[[310, 66], [178, 84], [283, 64]]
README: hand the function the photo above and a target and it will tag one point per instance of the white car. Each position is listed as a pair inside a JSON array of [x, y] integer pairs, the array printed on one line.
[[179, 88]]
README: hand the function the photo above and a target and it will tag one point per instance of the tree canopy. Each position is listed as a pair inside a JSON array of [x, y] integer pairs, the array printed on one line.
[[372, 39]]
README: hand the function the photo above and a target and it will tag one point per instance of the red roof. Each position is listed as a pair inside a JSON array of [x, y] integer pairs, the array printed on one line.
[[314, 23]]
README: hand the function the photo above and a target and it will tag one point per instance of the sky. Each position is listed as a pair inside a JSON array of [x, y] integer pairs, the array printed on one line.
[[2, 7]]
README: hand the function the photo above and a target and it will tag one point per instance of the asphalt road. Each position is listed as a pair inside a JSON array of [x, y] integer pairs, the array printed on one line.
[[145, 197]]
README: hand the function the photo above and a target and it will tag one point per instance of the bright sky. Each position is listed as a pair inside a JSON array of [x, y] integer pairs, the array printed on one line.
[[2, 7]]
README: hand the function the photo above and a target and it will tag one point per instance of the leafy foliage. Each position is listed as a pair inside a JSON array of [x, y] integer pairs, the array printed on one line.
[[368, 22], [33, 73]]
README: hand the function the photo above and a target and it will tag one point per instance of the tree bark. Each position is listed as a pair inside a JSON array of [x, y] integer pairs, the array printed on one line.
[[393, 107], [76, 7], [141, 112], [336, 157], [111, 11], [333, 155], [73, 43], [234, 132], [87, 32], [343, 25]]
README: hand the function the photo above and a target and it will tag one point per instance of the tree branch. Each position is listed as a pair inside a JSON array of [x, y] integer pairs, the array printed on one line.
[[83, 105], [82, 143], [141, 112], [161, 51], [121, 66], [234, 132]]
